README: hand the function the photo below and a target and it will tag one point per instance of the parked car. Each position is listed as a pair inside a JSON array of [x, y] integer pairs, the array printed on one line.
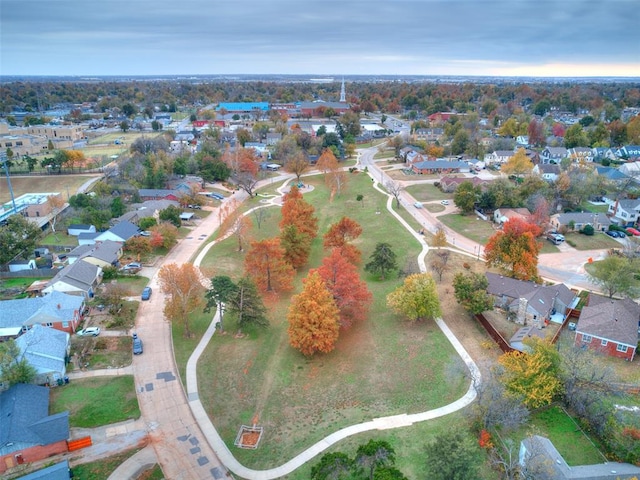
[[216, 195], [132, 266], [89, 332], [145, 233], [194, 207], [417, 205], [555, 238], [612, 233], [444, 202], [146, 293], [137, 345], [633, 231]]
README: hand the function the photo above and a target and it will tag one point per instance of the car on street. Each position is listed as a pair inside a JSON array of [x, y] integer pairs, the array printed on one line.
[[146, 293], [444, 202], [89, 332], [137, 344], [633, 231], [417, 205]]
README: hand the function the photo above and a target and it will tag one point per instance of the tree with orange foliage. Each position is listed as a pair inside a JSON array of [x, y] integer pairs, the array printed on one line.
[[297, 164], [340, 234], [515, 249], [313, 318], [296, 211], [327, 161], [184, 292], [244, 163], [265, 263], [343, 281], [297, 246], [232, 222]]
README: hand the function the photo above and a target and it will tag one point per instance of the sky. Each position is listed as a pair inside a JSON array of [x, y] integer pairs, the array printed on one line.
[[326, 37]]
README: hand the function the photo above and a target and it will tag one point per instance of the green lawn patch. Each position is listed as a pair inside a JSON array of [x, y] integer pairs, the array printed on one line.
[[133, 284], [101, 469], [59, 238], [299, 400], [565, 434], [469, 226], [591, 242], [23, 282], [426, 192], [86, 400], [183, 347]]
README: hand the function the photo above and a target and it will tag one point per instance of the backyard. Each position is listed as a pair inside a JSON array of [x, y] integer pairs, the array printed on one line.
[[257, 378]]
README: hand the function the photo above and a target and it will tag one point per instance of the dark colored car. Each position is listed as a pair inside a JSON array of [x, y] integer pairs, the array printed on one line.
[[146, 293], [137, 345]]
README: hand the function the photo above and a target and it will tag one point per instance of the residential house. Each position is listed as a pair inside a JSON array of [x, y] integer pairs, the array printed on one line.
[[529, 302], [429, 134], [576, 221], [553, 154], [80, 278], [57, 310], [159, 194], [46, 350], [580, 154], [547, 171], [612, 174], [59, 471], [146, 209], [498, 157], [540, 459], [439, 167], [27, 432], [441, 117], [120, 232], [609, 326], [628, 152], [273, 138], [624, 212], [631, 169], [601, 153], [88, 238], [259, 148], [502, 215], [449, 184], [103, 254], [522, 141], [78, 228]]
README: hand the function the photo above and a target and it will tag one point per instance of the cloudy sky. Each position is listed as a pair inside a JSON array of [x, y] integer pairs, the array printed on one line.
[[326, 37]]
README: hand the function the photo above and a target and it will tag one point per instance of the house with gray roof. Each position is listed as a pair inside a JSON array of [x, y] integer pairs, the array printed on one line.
[[498, 157], [609, 326], [580, 154], [440, 167], [27, 432], [576, 221], [553, 154], [88, 238], [548, 171], [57, 310], [624, 212], [47, 350], [159, 194], [79, 278], [628, 152], [120, 232], [611, 173], [529, 302], [103, 254], [539, 458]]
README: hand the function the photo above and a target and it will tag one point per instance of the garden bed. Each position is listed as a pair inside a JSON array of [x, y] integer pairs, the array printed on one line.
[[248, 437]]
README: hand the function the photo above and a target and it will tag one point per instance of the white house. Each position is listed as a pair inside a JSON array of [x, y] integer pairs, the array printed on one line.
[[553, 154], [624, 212], [548, 171], [498, 157]]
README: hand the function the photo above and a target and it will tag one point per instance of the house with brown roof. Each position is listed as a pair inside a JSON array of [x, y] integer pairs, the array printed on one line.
[[529, 302], [609, 326], [502, 215], [576, 221], [449, 184]]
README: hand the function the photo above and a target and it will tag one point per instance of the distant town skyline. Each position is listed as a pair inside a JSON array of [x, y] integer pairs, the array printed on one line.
[[541, 38]]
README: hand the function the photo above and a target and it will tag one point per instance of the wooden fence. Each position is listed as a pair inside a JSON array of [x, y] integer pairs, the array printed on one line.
[[495, 334]]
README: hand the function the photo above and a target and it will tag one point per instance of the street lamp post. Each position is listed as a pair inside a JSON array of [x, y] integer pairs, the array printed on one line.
[[4, 161]]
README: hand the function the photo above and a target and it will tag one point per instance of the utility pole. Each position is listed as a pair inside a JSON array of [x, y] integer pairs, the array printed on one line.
[[4, 161]]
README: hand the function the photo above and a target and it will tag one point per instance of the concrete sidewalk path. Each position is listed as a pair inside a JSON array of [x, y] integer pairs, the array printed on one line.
[[135, 465], [103, 372]]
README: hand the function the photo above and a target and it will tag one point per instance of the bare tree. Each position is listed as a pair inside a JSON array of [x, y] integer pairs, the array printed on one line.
[[56, 202], [394, 188], [260, 215], [439, 263], [247, 181]]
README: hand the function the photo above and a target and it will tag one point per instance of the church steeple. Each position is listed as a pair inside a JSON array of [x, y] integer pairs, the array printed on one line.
[[343, 93]]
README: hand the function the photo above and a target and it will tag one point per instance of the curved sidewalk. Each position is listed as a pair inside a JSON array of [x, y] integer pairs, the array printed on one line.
[[381, 423]]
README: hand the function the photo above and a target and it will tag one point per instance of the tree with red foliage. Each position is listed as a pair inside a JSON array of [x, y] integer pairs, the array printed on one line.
[[313, 318], [536, 133], [340, 234], [265, 263], [558, 130], [515, 249], [296, 211], [343, 281]]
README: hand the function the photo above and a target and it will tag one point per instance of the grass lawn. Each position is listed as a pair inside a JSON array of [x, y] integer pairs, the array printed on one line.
[[593, 242], [183, 347], [19, 282], [60, 238], [426, 192], [565, 434], [469, 226], [101, 469], [258, 378], [42, 184], [102, 352], [85, 400], [133, 284]]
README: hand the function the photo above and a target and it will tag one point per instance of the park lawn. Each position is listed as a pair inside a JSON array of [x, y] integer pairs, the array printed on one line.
[[426, 192], [258, 378], [66, 184], [591, 242], [469, 226], [573, 444], [127, 138], [85, 400], [587, 206], [183, 346]]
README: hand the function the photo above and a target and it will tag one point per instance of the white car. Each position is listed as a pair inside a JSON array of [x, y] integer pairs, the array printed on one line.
[[445, 202], [89, 332], [417, 205]]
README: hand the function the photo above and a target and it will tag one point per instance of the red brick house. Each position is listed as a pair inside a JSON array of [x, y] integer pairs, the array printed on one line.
[[27, 432], [609, 326]]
